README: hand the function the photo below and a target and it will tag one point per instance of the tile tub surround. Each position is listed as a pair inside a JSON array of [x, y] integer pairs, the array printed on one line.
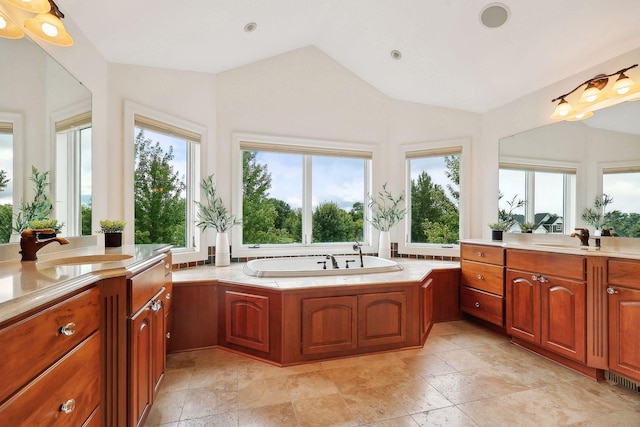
[[464, 376]]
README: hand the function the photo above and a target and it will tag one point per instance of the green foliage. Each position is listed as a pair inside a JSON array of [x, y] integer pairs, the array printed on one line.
[[527, 226], [386, 210], [507, 217], [6, 219], [3, 179], [160, 206], [624, 224], [332, 224], [112, 225], [40, 207], [213, 213], [86, 213], [42, 224], [596, 216]]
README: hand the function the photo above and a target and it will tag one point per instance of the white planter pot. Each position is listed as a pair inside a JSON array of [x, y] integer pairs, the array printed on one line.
[[384, 245], [223, 257]]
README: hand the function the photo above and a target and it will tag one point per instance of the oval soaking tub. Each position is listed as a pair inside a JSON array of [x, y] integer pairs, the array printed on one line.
[[313, 266]]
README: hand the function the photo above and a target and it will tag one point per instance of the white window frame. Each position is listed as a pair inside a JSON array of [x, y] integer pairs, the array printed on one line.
[[540, 165], [241, 250], [408, 150], [196, 250], [17, 121]]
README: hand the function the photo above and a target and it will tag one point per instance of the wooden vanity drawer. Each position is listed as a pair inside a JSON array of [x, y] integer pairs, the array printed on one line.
[[624, 273], [480, 253], [75, 379], [486, 277], [31, 345], [482, 305], [550, 263], [143, 286]]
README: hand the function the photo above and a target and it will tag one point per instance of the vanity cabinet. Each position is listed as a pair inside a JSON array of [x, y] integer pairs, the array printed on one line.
[[51, 364], [147, 341], [624, 317], [482, 282], [329, 324], [546, 301]]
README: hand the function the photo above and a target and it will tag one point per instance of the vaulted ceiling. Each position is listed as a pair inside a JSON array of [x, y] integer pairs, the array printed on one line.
[[449, 58]]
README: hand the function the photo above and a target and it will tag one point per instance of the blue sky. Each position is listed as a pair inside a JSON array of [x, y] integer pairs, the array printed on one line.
[[6, 164]]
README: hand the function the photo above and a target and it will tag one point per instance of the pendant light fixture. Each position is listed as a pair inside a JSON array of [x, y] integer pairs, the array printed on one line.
[[46, 25], [596, 95], [8, 29]]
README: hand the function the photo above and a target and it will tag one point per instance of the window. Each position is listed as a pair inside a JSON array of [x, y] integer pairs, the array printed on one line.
[[433, 196], [166, 182], [73, 187], [6, 181], [623, 214], [302, 194], [549, 195]]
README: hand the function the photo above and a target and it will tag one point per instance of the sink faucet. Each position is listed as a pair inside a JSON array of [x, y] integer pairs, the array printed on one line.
[[30, 243], [334, 263], [583, 235], [357, 247]]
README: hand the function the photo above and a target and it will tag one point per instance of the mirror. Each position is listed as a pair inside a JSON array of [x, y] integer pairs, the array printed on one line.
[[560, 169], [45, 121]]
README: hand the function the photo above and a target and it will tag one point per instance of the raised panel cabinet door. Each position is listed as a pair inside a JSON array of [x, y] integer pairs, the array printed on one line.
[[523, 306], [564, 317], [382, 318], [624, 331], [140, 365], [247, 320], [159, 344], [329, 324], [427, 307]]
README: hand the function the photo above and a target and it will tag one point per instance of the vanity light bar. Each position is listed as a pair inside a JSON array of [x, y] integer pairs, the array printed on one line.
[[595, 97]]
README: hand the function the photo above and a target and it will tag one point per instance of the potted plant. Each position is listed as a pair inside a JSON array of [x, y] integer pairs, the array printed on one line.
[[40, 207], [214, 214], [527, 227], [386, 212], [45, 228], [112, 229], [506, 217], [596, 216]]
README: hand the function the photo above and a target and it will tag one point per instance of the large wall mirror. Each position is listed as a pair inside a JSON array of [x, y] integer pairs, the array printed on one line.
[[560, 169], [45, 122]]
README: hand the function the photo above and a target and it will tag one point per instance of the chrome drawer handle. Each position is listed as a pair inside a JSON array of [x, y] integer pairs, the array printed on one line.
[[167, 266], [156, 305], [68, 329], [480, 277], [543, 279], [480, 254], [611, 291], [68, 406], [534, 278], [477, 304], [168, 296]]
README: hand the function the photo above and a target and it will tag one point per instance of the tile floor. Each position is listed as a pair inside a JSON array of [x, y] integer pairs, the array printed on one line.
[[464, 376]]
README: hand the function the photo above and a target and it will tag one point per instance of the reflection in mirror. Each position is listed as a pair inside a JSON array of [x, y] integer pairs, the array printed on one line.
[[560, 169], [45, 121]]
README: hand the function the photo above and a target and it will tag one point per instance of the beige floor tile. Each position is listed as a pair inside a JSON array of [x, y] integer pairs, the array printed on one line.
[[464, 359], [222, 378], [367, 376], [204, 402], [450, 416], [262, 392], [427, 364], [373, 404], [612, 393], [439, 343], [177, 379], [254, 369], [405, 421], [281, 415], [167, 408], [617, 419], [309, 385], [417, 395], [229, 419], [323, 411], [458, 388], [181, 360]]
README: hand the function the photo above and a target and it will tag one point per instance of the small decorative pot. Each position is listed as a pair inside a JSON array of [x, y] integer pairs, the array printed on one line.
[[384, 245], [496, 235], [112, 240], [223, 257]]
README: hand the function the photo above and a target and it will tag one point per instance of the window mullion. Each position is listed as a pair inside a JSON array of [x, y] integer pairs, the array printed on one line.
[[307, 195]]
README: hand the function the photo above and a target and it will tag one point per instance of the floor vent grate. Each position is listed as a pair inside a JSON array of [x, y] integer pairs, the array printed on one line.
[[623, 381]]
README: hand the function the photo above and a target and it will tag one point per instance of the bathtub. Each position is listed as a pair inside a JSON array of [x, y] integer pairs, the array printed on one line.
[[313, 266]]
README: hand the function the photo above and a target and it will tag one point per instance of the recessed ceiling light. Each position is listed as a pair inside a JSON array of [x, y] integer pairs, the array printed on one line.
[[250, 27], [396, 54], [494, 15]]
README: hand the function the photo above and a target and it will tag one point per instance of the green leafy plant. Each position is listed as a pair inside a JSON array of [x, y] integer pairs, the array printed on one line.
[[506, 217], [527, 226], [213, 213], [385, 209], [595, 216], [112, 226], [44, 224], [41, 206]]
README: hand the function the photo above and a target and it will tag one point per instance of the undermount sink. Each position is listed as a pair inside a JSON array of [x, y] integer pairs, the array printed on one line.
[[86, 259]]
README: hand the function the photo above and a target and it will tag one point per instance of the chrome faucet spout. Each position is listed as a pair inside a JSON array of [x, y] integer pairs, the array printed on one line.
[[30, 243], [334, 263], [357, 247]]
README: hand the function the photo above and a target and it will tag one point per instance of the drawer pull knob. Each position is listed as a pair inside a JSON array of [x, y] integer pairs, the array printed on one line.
[[168, 296], [168, 335], [167, 266], [477, 304], [611, 291], [543, 279], [480, 254], [156, 305], [534, 278], [68, 329], [480, 277], [68, 406]]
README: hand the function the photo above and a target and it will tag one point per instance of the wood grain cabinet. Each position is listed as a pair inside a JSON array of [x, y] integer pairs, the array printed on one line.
[[546, 301], [51, 364], [482, 282], [624, 317], [147, 341], [247, 320]]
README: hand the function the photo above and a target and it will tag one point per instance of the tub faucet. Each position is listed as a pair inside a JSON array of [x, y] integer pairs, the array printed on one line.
[[583, 235], [334, 263], [357, 247], [30, 243]]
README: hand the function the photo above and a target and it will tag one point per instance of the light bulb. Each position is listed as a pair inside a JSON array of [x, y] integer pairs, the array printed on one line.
[[591, 94], [623, 85], [49, 29], [3, 23]]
